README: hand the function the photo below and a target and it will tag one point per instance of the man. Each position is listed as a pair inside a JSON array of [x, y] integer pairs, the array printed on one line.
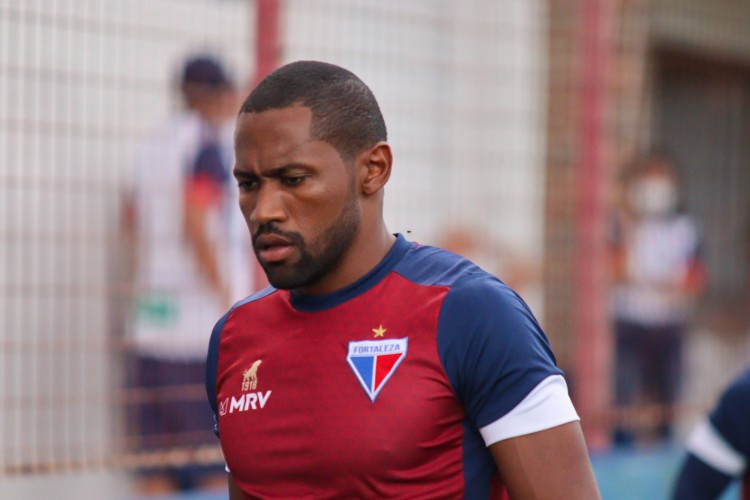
[[373, 367], [179, 218], [658, 272], [719, 447]]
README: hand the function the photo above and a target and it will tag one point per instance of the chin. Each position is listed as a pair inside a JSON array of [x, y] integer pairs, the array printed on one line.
[[284, 281]]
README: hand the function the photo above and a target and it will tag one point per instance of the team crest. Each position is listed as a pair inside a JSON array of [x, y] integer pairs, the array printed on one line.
[[375, 361]]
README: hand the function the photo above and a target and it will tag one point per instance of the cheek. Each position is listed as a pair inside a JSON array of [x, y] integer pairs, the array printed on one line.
[[246, 205], [315, 217]]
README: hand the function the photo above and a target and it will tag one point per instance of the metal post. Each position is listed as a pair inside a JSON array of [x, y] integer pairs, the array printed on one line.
[[593, 345]]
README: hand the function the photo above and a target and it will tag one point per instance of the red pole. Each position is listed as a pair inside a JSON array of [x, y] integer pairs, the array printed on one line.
[[267, 59], [593, 345], [268, 39]]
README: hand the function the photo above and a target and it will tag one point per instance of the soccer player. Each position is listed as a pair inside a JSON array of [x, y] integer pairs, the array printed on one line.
[[373, 367], [719, 447]]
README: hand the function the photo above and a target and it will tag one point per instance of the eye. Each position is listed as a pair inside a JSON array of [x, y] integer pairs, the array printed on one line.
[[247, 185], [293, 180]]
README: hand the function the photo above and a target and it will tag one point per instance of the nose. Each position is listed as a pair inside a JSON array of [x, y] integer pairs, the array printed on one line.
[[269, 205]]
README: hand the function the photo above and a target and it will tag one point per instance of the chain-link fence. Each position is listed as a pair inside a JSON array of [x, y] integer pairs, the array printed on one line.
[[512, 123]]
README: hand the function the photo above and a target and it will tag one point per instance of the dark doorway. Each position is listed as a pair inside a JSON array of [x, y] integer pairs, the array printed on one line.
[[702, 118]]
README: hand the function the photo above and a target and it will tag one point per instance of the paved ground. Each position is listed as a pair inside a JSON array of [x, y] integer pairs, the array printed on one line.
[[622, 475], [642, 475]]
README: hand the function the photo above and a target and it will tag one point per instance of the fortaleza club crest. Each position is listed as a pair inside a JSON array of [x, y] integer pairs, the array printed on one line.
[[375, 361]]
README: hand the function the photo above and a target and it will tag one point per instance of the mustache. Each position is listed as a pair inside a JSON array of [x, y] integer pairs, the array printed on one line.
[[273, 228]]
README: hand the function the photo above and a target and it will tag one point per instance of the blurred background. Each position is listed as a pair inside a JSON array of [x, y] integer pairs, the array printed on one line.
[[522, 133]]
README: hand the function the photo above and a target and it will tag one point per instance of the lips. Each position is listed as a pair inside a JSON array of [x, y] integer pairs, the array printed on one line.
[[272, 248]]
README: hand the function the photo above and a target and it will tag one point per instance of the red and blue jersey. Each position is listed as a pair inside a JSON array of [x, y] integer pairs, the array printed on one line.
[[391, 387]]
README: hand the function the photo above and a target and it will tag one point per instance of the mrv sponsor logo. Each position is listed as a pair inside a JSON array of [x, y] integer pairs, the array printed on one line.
[[249, 400]]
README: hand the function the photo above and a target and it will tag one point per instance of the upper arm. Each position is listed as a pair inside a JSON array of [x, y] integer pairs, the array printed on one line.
[[549, 464], [502, 368], [492, 349]]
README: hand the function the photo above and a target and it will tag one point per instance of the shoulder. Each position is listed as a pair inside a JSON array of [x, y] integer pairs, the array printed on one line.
[[471, 290], [685, 226], [736, 398], [174, 132], [212, 358], [166, 142], [723, 439], [243, 306], [255, 297], [427, 265], [742, 382], [491, 347]]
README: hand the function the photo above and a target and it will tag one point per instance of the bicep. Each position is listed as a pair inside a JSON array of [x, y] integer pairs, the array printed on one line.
[[552, 463]]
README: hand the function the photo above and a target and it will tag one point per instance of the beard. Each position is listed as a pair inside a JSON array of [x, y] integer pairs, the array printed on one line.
[[317, 258]]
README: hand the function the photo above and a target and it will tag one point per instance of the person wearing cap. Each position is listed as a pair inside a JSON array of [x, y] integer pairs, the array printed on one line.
[[179, 217]]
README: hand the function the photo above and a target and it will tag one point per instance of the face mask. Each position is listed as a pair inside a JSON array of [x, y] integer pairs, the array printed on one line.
[[653, 197]]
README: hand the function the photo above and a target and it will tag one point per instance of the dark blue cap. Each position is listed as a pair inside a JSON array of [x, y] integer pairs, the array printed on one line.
[[205, 70]]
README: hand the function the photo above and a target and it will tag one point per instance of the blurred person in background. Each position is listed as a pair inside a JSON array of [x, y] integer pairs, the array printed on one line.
[[192, 259], [658, 273], [373, 367], [719, 447]]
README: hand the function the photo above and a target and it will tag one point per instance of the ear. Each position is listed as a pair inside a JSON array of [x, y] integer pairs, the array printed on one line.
[[375, 168]]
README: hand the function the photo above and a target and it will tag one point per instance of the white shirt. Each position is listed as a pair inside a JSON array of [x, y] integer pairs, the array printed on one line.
[[175, 309]]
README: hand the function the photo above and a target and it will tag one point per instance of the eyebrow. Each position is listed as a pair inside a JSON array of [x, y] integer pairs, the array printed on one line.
[[273, 173]]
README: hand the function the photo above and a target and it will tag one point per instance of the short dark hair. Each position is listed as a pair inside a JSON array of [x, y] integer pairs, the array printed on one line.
[[345, 113]]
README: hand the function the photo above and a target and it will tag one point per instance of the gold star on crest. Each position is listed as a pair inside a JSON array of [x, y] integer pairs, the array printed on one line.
[[379, 331]]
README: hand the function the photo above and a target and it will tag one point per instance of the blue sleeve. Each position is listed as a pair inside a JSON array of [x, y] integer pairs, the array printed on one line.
[[209, 163], [492, 348], [212, 362], [699, 481], [731, 416]]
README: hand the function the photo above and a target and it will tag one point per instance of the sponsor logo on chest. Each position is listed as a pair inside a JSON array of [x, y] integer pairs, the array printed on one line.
[[250, 399]]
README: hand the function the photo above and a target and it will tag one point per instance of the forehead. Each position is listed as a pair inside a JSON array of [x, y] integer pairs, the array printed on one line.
[[281, 137], [273, 129]]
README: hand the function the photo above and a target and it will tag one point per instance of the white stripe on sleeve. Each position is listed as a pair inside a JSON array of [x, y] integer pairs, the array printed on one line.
[[706, 443], [547, 405]]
